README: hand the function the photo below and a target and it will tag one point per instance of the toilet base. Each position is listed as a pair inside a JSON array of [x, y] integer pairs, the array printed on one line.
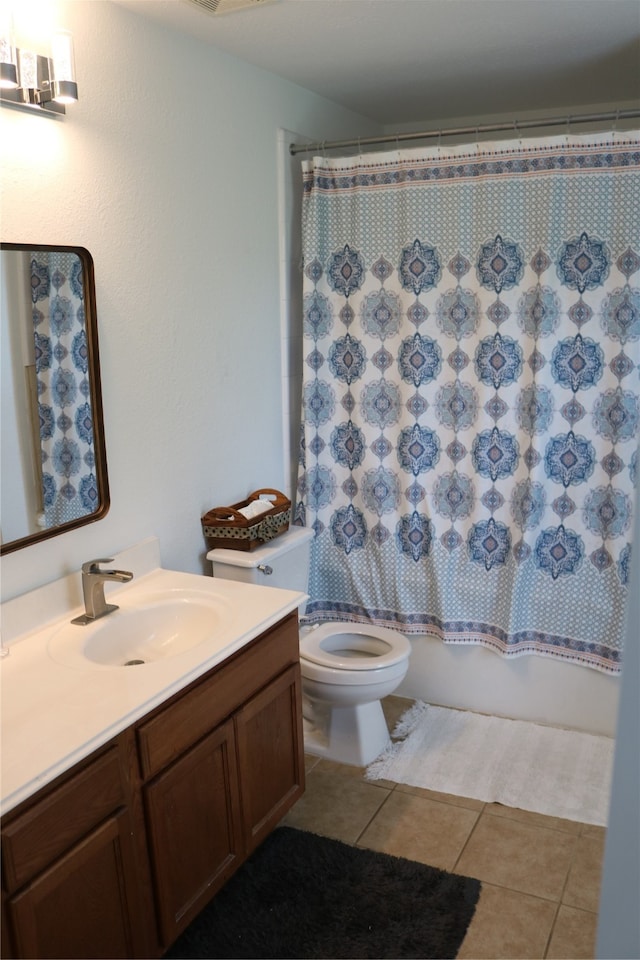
[[355, 735]]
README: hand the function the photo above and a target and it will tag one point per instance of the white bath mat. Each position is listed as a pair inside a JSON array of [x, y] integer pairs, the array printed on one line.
[[557, 772]]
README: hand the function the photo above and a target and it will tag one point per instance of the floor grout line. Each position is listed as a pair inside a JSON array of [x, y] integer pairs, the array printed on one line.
[[574, 854], [470, 834], [552, 929], [371, 819]]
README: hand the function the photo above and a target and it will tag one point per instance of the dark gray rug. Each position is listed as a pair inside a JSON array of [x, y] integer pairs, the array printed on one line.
[[303, 896]]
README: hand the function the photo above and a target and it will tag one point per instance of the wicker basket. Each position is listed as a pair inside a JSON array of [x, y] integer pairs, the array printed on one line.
[[226, 527]]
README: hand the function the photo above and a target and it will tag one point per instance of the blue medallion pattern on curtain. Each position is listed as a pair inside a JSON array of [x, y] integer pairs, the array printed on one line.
[[69, 485], [471, 400]]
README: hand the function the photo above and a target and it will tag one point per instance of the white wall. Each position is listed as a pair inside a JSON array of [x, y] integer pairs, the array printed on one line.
[[167, 171], [619, 922], [16, 492]]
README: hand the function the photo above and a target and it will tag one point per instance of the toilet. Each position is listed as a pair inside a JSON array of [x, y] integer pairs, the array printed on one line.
[[347, 668]]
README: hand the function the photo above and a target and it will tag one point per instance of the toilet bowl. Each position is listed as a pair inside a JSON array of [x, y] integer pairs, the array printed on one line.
[[347, 668], [346, 671]]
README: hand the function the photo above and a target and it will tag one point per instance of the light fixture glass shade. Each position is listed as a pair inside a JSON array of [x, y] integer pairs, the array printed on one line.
[[8, 59], [63, 71], [28, 63]]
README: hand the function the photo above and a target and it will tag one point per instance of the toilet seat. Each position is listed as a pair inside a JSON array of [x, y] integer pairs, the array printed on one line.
[[375, 648], [372, 679]]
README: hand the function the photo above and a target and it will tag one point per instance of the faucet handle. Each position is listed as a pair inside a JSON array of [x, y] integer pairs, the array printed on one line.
[[93, 566]]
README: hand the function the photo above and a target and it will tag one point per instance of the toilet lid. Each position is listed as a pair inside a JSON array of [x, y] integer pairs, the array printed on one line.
[[354, 646]]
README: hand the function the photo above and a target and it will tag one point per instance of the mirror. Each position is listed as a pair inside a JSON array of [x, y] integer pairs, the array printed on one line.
[[53, 459]]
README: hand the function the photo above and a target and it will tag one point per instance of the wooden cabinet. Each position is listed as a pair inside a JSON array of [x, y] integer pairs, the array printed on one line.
[[119, 855], [270, 751], [70, 871], [79, 906], [194, 829], [221, 764]]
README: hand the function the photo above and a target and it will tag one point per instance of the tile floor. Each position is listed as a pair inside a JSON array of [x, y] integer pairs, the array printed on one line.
[[540, 875]]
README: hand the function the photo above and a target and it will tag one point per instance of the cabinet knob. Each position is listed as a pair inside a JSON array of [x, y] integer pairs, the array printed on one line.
[[265, 568]]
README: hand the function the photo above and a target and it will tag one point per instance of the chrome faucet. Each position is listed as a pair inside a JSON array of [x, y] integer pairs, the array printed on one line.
[[93, 581]]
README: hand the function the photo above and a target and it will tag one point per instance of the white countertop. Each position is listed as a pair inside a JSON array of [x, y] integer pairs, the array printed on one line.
[[54, 714]]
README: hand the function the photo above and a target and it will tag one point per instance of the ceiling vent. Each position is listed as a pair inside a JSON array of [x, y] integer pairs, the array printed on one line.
[[218, 7]]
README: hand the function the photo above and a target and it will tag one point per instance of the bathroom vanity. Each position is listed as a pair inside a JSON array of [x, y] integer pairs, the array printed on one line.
[[116, 855]]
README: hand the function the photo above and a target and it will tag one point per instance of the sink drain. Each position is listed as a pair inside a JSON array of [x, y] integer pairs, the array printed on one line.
[[132, 663]]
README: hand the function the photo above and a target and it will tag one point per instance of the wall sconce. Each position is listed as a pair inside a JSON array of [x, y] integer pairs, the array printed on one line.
[[32, 81]]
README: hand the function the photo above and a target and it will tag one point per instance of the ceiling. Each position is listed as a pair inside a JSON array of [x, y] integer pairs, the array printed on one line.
[[405, 61]]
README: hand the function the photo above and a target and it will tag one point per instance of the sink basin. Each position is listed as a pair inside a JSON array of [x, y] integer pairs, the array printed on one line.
[[152, 629]]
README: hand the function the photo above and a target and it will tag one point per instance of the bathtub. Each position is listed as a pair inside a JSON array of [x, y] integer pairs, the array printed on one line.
[[540, 689]]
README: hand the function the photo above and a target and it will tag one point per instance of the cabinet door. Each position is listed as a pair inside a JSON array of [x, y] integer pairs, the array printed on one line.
[[270, 755], [196, 842], [79, 908]]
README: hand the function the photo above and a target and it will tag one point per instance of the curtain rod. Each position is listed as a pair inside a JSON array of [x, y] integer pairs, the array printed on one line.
[[515, 125]]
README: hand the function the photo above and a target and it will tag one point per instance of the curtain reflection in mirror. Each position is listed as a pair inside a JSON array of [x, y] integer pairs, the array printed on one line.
[[65, 424]]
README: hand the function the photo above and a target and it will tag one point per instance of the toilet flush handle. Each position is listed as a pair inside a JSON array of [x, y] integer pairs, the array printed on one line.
[[265, 568]]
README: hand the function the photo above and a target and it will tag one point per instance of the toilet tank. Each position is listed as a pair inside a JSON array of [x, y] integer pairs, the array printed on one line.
[[283, 562]]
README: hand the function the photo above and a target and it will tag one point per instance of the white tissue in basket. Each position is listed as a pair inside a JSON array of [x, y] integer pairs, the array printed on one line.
[[255, 508]]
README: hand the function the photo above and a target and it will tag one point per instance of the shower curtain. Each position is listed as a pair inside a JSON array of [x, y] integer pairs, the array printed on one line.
[[69, 484], [471, 398]]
